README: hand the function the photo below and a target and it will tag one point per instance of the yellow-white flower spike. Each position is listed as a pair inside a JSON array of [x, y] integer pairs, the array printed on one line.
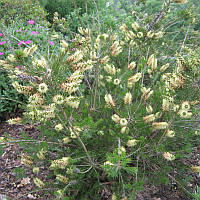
[[109, 100], [132, 65], [116, 118], [132, 142], [128, 98], [123, 122], [42, 88], [170, 133], [135, 78], [168, 156], [149, 118], [149, 109], [59, 127], [160, 125], [185, 105]]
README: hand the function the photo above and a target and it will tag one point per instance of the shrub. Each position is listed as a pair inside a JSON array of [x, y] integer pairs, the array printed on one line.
[[111, 110], [12, 11]]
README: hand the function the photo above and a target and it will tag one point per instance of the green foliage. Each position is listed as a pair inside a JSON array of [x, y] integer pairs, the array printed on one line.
[[111, 107], [11, 11], [10, 99]]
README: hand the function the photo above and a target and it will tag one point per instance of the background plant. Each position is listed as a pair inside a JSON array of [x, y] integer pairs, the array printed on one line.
[[111, 109]]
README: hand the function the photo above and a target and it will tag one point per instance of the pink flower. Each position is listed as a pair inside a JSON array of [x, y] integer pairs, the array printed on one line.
[[34, 33], [28, 42], [73, 39], [73, 49], [1, 34], [51, 43], [18, 67], [2, 43], [20, 43], [31, 21], [1, 53], [18, 30]]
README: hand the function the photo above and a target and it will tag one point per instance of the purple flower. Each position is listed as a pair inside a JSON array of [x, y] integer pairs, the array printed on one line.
[[1, 34], [73, 49], [51, 43], [20, 43], [2, 43], [31, 21], [18, 30], [28, 42], [18, 67], [1, 53], [34, 33]]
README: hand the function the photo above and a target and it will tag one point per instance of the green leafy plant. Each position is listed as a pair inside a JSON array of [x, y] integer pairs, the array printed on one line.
[[110, 109]]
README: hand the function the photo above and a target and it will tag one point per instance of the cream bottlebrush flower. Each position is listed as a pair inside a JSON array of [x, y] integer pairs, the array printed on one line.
[[72, 101], [128, 98], [64, 44], [66, 140], [31, 50], [116, 118], [195, 169], [121, 150], [60, 163], [36, 170], [167, 104], [132, 142], [33, 99], [38, 182], [160, 125], [150, 34], [123, 122], [59, 127], [185, 105], [159, 34], [140, 34], [184, 113], [123, 129], [116, 81], [132, 65], [115, 49], [62, 178], [110, 69], [135, 26], [75, 131], [58, 99], [42, 88], [149, 109], [41, 154], [15, 120], [11, 58], [27, 160], [109, 79], [109, 100], [149, 118], [135, 78], [150, 59], [108, 163], [104, 60], [168, 156], [164, 67], [170, 133]]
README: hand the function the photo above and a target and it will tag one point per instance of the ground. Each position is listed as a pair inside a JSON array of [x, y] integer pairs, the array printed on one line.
[[18, 185]]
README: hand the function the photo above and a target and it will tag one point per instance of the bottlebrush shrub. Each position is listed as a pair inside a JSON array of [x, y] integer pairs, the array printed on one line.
[[109, 116]]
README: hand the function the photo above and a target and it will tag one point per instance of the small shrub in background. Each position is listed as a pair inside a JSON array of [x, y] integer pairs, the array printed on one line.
[[111, 110], [12, 11]]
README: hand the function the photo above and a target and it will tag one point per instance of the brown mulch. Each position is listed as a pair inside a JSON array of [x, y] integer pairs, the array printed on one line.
[[23, 188]]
